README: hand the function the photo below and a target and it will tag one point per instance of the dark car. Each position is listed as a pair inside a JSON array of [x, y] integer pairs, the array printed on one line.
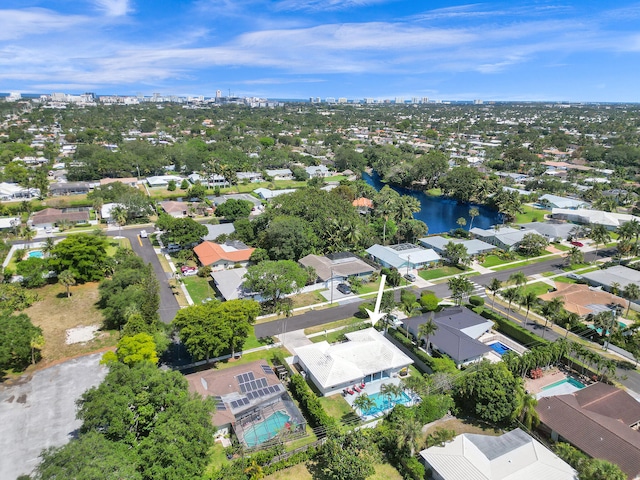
[[344, 288], [577, 244]]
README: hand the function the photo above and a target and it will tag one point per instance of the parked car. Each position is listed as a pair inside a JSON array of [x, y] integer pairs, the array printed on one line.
[[173, 247], [344, 288], [411, 277], [188, 271], [577, 244], [144, 234]]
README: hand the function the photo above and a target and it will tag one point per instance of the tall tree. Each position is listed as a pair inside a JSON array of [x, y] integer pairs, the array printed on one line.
[[494, 287], [631, 292], [473, 213], [83, 254], [275, 279], [67, 279], [426, 330], [600, 236]]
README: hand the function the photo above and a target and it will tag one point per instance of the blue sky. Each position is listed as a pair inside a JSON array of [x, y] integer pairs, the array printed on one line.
[[577, 50]]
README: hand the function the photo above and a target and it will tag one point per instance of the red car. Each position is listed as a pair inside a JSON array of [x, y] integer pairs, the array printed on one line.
[[577, 244], [187, 270]]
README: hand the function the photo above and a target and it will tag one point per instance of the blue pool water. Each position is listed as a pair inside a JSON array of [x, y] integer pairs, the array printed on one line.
[[500, 348], [569, 380], [384, 403], [35, 253], [261, 432]]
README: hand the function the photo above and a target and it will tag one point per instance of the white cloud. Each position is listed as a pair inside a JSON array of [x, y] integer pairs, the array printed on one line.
[[16, 24], [324, 5], [113, 8]]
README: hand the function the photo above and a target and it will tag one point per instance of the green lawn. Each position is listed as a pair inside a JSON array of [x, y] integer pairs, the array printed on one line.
[[531, 214], [336, 406], [493, 260], [539, 288], [199, 288], [250, 357], [328, 326], [446, 271], [562, 279], [559, 246], [524, 263]]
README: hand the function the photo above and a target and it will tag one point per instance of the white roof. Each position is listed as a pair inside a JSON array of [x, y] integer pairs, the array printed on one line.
[[267, 194], [9, 222], [597, 217], [563, 202], [366, 352], [511, 456]]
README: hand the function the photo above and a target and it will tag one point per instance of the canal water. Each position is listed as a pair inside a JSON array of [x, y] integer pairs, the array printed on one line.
[[440, 213]]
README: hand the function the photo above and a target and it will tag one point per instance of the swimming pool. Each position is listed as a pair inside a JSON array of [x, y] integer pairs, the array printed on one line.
[[261, 432], [35, 253], [499, 347], [384, 403], [569, 380]]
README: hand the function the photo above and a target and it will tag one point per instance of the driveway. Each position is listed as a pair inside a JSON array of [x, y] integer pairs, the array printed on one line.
[[168, 303], [38, 411]]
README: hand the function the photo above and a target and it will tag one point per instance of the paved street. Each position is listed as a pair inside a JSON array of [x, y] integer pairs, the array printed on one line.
[[168, 303]]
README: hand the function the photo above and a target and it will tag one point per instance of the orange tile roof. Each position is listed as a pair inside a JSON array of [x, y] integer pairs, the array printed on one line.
[[576, 297], [209, 253], [362, 202]]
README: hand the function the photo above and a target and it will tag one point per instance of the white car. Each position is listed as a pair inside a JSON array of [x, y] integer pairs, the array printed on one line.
[[144, 234]]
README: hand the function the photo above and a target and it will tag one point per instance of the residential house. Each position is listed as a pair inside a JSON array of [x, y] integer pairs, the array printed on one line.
[[584, 300], [214, 180], [403, 255], [553, 232], [337, 266], [214, 231], [51, 217], [593, 217], [105, 211], [266, 194], [600, 420], [618, 274], [163, 180], [69, 188], [318, 171], [237, 196], [474, 247], [364, 205], [457, 334], [226, 255], [514, 455], [554, 201], [249, 177], [246, 396], [175, 209], [9, 223], [229, 283], [280, 174], [13, 191], [366, 356], [131, 181], [505, 238]]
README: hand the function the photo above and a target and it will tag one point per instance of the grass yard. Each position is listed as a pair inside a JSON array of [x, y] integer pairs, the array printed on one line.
[[199, 288], [531, 214], [55, 314], [384, 471], [217, 458], [446, 271], [337, 324], [336, 406], [562, 248], [461, 426], [493, 260], [115, 243], [524, 263], [306, 299], [563, 279], [250, 357], [539, 288]]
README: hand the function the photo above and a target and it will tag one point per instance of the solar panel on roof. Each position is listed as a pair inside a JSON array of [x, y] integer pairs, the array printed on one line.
[[251, 377], [263, 381], [234, 404], [245, 401], [221, 407], [253, 385], [243, 387], [266, 369], [245, 377]]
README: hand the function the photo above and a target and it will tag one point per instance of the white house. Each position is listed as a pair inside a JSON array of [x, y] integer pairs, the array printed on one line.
[[402, 255], [366, 356], [318, 171], [511, 456], [280, 174]]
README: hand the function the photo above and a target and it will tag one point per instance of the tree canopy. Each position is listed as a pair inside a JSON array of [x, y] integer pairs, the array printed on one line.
[[85, 255], [275, 279], [17, 334]]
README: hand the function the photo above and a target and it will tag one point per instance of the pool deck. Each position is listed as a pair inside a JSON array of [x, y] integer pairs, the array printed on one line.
[[552, 375], [372, 388]]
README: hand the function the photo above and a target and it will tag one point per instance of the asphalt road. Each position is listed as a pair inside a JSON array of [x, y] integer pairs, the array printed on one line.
[[168, 303]]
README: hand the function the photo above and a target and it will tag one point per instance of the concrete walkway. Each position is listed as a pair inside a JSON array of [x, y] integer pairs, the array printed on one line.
[[293, 340]]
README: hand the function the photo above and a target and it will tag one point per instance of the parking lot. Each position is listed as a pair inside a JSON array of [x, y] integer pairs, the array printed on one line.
[[38, 411]]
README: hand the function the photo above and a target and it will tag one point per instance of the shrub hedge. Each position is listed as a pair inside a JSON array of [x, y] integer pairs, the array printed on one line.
[[311, 405]]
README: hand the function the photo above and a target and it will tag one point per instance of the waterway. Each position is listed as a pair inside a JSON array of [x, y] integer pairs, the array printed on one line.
[[440, 213]]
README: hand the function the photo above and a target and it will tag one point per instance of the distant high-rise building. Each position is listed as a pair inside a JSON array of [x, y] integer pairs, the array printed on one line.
[[369, 100], [330, 100], [478, 102], [218, 93], [342, 100], [14, 97], [399, 100], [415, 100], [425, 99]]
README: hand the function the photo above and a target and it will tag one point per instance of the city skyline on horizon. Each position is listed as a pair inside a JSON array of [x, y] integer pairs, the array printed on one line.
[[539, 51]]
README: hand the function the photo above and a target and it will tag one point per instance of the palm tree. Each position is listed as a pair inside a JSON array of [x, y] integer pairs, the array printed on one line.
[[426, 330], [575, 256], [28, 233], [551, 310], [511, 294], [526, 411], [364, 403], [473, 213], [254, 470], [409, 432], [49, 243], [494, 286], [119, 215], [631, 292], [519, 278], [600, 235], [390, 391], [529, 300], [67, 279]]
